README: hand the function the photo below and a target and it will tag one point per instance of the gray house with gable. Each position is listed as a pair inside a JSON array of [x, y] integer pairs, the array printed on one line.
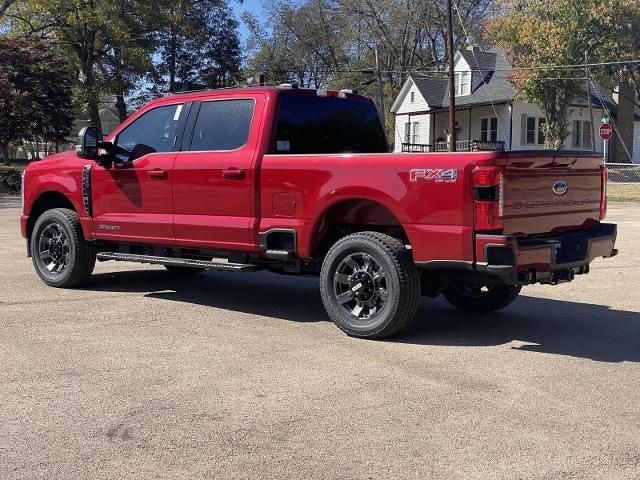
[[489, 116]]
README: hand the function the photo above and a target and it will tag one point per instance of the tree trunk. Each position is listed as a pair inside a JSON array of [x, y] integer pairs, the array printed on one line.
[[94, 114], [5, 153], [172, 60], [121, 106], [86, 55]]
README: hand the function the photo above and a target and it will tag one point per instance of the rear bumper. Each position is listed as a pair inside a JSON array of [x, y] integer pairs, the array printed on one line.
[[545, 259]]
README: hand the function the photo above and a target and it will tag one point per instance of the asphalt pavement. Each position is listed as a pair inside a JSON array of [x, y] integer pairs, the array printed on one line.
[[231, 375]]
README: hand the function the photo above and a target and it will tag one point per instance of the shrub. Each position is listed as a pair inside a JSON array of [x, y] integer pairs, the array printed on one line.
[[10, 179]]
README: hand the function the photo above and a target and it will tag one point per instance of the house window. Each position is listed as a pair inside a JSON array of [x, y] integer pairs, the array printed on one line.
[[462, 81], [581, 134], [416, 133], [534, 134], [531, 130], [541, 123], [489, 129], [413, 97], [407, 132]]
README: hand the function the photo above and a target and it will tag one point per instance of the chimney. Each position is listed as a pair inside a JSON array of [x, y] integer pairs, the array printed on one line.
[[473, 48]]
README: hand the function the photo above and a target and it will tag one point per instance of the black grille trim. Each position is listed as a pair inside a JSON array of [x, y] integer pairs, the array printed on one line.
[[86, 188]]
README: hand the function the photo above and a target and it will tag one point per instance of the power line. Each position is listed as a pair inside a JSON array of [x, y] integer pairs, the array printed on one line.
[[576, 66], [486, 91]]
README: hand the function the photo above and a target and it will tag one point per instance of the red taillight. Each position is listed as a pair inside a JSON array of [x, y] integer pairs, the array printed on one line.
[[486, 176], [604, 178], [488, 197]]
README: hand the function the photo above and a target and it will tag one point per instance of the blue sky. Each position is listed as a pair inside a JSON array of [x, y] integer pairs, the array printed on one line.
[[254, 6]]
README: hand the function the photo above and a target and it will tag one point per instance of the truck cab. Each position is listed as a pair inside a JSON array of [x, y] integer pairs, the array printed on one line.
[[300, 181]]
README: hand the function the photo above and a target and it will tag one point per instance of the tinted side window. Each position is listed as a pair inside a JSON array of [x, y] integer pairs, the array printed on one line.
[[222, 125], [310, 124], [152, 132]]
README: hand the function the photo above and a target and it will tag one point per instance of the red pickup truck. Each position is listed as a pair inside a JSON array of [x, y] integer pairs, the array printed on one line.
[[299, 181]]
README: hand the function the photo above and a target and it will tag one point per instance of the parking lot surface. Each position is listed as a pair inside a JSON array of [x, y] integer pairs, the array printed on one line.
[[230, 375]]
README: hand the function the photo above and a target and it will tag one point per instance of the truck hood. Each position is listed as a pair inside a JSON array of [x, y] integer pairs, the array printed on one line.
[[67, 158]]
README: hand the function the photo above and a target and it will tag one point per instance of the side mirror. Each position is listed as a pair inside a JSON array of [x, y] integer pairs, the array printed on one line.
[[88, 141]]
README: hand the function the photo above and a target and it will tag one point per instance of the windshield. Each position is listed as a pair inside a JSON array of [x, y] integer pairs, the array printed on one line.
[[311, 124]]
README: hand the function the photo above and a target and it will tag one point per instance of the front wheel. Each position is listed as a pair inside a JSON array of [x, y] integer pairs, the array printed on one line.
[[480, 298], [61, 255], [369, 285]]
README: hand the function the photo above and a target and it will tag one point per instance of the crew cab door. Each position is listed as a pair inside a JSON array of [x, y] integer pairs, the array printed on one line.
[[214, 187], [132, 200]]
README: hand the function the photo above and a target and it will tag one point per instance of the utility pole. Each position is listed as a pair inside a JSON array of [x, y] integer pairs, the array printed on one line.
[[590, 103], [452, 93], [380, 91]]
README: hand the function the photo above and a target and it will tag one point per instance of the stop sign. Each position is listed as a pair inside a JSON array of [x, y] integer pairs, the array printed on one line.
[[605, 131]]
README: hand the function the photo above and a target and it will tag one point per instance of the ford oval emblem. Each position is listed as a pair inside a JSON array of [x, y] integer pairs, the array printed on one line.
[[560, 187]]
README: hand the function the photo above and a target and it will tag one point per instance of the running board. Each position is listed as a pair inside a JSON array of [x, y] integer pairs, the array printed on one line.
[[177, 262]]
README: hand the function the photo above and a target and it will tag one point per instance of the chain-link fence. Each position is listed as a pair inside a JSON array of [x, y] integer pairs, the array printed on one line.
[[624, 173]]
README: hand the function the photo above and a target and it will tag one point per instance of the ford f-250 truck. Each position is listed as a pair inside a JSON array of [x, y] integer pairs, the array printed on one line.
[[299, 181]]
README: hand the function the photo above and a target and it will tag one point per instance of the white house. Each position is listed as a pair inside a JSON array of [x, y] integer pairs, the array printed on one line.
[[33, 150], [488, 114]]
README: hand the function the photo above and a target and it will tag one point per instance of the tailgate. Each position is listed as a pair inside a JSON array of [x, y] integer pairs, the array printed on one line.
[[550, 191]]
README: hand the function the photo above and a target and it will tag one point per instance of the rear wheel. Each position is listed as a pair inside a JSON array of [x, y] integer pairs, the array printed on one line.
[[60, 254], [480, 298], [369, 285]]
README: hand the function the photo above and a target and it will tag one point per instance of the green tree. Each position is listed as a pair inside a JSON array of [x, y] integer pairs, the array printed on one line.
[[4, 6], [129, 60], [333, 42], [35, 93], [222, 51], [102, 38], [559, 32], [197, 44]]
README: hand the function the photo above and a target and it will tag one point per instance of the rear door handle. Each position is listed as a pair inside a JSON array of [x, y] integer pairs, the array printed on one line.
[[157, 174], [233, 173]]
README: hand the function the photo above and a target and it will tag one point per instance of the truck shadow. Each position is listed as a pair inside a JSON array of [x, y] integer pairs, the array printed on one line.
[[541, 325]]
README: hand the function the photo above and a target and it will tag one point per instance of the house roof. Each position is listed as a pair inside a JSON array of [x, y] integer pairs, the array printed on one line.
[[103, 112], [433, 90], [480, 60], [495, 86]]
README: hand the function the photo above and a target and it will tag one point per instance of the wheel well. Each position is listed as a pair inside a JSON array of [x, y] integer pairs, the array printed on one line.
[[46, 201], [351, 216]]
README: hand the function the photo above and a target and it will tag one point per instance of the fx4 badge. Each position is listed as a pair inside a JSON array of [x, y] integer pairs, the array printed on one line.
[[437, 175]]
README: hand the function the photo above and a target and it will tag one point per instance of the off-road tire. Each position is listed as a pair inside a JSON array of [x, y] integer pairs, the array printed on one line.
[[183, 271], [400, 276], [81, 254], [498, 296]]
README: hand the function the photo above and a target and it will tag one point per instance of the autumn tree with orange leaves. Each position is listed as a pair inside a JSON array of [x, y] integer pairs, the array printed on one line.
[[558, 32]]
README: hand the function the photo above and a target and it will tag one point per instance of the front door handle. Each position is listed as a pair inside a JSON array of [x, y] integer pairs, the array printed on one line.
[[157, 174], [233, 173]]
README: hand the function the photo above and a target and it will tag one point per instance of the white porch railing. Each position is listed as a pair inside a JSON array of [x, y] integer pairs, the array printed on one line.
[[461, 146]]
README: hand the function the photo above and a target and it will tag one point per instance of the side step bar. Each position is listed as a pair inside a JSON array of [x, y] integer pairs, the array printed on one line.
[[177, 262]]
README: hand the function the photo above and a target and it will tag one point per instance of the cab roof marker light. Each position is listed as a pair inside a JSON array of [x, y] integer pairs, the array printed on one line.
[[325, 92], [286, 85], [344, 92]]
